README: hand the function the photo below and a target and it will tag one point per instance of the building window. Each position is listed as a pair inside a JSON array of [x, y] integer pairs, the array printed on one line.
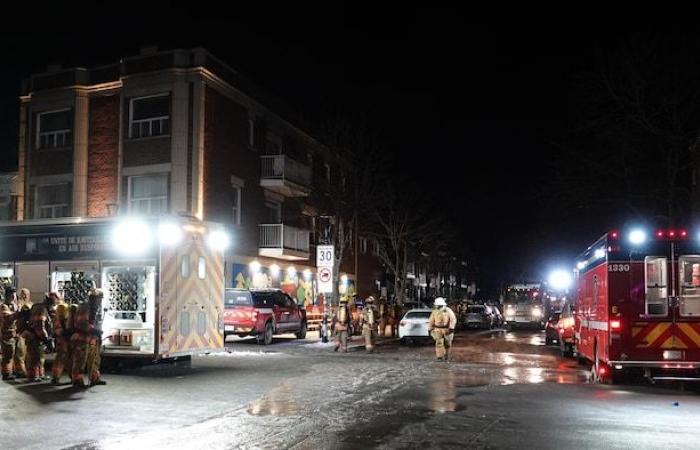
[[237, 205], [251, 133], [149, 116], [274, 212], [363, 245], [273, 146], [54, 129], [375, 248], [52, 201], [328, 172], [148, 194]]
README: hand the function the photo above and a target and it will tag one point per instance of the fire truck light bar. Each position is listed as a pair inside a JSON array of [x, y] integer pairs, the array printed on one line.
[[671, 234]]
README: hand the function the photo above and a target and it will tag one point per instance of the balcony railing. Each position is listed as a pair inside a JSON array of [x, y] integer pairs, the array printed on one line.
[[280, 170], [283, 237]]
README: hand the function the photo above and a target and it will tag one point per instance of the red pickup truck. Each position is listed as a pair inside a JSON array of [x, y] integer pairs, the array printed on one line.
[[262, 313]]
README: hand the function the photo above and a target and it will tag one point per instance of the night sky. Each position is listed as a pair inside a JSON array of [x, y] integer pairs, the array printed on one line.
[[471, 113]]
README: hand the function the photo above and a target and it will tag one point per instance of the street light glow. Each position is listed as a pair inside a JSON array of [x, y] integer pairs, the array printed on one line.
[[560, 279]]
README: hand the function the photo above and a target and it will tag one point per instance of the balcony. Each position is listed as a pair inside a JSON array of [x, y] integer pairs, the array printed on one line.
[[283, 242], [283, 175]]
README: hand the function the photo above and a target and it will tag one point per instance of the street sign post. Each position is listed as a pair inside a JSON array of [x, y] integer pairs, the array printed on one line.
[[325, 259]]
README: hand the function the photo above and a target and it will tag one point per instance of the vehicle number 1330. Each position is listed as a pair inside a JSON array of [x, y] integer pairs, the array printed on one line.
[[619, 268]]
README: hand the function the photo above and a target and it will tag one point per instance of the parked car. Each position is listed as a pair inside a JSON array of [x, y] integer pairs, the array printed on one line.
[[414, 326], [262, 313], [566, 327], [479, 316], [551, 329]]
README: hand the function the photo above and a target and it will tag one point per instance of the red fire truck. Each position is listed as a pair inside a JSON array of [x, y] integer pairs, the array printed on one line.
[[638, 305]]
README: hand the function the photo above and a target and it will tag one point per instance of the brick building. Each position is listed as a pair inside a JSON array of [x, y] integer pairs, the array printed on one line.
[[180, 132]]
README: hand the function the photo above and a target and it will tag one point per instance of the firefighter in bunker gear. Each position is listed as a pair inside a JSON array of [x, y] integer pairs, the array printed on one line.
[[62, 330], [37, 337], [86, 341], [11, 359], [368, 320], [341, 324], [442, 325], [24, 306]]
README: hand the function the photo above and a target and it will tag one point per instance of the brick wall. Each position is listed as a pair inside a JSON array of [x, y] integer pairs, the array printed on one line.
[[103, 154]]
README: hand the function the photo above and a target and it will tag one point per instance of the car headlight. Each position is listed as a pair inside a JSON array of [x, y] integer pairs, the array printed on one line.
[[536, 312]]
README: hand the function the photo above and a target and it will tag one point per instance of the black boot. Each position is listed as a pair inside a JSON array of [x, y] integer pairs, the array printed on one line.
[[7, 377], [98, 383]]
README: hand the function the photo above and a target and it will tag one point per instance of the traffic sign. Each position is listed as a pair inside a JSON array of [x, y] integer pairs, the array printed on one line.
[[325, 280], [325, 256]]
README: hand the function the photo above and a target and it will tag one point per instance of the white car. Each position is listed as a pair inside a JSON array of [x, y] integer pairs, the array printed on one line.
[[414, 325]]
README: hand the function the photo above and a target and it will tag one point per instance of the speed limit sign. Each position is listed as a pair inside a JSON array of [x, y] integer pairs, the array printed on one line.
[[325, 256]]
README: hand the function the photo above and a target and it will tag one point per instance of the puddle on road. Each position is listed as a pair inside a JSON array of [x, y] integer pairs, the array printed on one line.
[[278, 402]]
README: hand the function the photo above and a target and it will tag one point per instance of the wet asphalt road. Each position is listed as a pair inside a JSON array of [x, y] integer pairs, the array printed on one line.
[[501, 390]]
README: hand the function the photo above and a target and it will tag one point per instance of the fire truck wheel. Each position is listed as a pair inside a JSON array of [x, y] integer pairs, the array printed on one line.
[[302, 332]]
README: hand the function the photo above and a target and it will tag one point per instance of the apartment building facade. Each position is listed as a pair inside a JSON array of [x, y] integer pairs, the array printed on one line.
[[179, 132]]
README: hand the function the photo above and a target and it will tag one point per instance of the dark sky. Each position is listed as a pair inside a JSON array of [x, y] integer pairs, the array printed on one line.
[[468, 110]]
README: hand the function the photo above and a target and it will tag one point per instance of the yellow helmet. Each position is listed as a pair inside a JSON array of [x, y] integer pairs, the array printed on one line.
[[62, 311]]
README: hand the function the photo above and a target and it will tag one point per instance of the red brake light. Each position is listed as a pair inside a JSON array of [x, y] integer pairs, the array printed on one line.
[[602, 370], [684, 233], [671, 233], [615, 324], [614, 234]]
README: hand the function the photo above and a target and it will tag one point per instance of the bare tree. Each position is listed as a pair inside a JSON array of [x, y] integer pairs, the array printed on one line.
[[401, 231], [635, 144], [350, 193]]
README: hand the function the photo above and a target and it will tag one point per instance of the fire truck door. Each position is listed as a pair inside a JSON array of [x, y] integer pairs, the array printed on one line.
[[686, 311]]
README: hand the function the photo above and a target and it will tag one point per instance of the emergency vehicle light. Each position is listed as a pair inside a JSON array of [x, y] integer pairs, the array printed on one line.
[[132, 236], [637, 237], [671, 234], [218, 240]]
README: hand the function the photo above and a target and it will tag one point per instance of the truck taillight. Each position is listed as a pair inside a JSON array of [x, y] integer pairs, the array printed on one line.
[[615, 325]]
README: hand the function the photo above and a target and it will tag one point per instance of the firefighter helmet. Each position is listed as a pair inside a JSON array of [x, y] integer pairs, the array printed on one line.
[[440, 301], [369, 299]]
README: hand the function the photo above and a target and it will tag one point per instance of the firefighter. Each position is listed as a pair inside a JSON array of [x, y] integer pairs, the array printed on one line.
[[86, 341], [383, 313], [442, 325], [8, 330], [368, 321], [62, 330], [24, 306], [342, 321], [37, 336]]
